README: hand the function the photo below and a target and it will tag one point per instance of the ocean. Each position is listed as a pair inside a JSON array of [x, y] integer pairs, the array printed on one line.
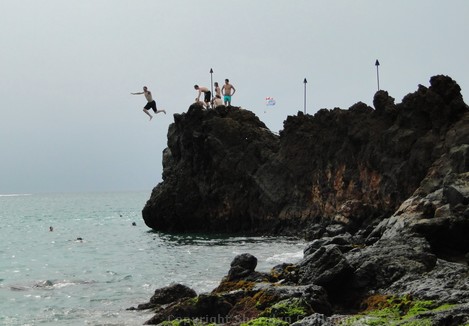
[[54, 278]]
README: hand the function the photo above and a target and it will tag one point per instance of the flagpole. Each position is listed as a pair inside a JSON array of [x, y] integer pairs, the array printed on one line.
[[304, 105], [211, 85], [377, 71]]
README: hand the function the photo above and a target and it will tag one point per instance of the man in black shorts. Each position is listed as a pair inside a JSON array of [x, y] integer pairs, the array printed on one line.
[[207, 94], [151, 103]]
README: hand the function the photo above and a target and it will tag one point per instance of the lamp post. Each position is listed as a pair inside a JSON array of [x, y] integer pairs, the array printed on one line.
[[304, 105], [377, 71]]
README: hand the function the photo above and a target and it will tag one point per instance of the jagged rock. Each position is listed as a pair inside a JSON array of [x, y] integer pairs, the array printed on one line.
[[224, 171], [344, 242], [378, 266], [327, 267], [242, 266], [166, 295], [209, 172], [172, 293], [237, 299], [383, 194], [314, 295], [205, 306], [384, 103], [436, 211], [289, 310], [454, 316], [445, 283], [286, 273], [241, 276]]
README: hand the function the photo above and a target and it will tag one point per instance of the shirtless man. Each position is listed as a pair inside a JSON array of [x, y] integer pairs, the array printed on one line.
[[151, 102], [228, 91], [207, 94]]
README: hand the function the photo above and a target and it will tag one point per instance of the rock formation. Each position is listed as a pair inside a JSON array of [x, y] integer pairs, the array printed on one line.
[[224, 171], [383, 195]]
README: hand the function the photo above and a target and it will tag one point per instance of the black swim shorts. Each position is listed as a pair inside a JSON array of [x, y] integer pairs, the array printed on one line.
[[207, 96], [150, 105]]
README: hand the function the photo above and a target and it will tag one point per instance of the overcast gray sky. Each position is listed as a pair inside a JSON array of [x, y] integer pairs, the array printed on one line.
[[69, 123]]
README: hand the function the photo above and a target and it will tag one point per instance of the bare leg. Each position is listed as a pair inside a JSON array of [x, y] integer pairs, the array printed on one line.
[[146, 111], [164, 111]]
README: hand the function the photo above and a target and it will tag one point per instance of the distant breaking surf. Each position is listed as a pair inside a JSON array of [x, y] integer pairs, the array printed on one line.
[[14, 195]]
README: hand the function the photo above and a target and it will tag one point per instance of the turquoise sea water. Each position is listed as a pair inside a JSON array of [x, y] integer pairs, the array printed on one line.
[[51, 278]]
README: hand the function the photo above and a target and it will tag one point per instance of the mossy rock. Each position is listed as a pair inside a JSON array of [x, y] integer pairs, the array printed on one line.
[[184, 322], [246, 308], [203, 308], [374, 302], [228, 286], [292, 309], [288, 272], [401, 306], [421, 322], [392, 310], [265, 299], [264, 321]]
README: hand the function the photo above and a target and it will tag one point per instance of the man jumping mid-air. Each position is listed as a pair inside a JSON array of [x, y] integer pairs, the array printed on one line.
[[151, 102]]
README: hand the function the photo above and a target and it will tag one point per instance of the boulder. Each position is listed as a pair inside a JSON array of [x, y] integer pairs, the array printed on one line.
[[242, 265], [205, 307], [172, 293], [327, 267], [167, 295], [378, 266]]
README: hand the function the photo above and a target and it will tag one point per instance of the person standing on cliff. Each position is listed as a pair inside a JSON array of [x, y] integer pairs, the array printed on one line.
[[228, 91], [207, 94], [151, 104], [216, 101], [217, 89]]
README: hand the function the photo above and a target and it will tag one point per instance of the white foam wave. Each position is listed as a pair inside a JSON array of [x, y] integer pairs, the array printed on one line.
[[64, 284], [287, 257], [48, 284]]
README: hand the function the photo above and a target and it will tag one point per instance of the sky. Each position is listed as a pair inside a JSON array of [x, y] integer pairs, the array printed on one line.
[[69, 124]]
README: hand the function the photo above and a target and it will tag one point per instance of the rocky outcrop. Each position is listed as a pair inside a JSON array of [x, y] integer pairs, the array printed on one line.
[[209, 172], [337, 171], [383, 195], [404, 284]]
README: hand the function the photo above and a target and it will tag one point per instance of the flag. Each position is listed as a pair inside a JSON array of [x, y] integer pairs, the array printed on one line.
[[269, 101]]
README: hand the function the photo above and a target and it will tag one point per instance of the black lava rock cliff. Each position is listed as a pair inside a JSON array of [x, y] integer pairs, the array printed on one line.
[[225, 171]]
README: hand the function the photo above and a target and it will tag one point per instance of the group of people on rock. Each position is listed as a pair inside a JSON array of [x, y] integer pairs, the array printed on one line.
[[227, 91]]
